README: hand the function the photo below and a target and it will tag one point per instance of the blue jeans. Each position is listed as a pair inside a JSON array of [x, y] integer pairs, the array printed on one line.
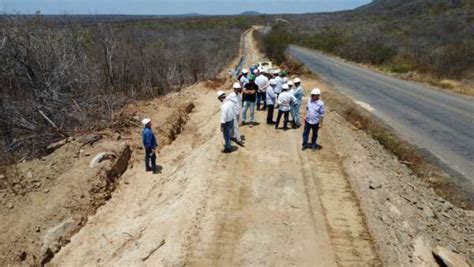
[[295, 113], [227, 133], [247, 105], [314, 138]]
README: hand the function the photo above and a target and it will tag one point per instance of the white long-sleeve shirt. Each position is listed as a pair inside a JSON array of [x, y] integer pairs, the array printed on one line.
[[285, 99], [262, 83], [279, 84], [227, 111], [314, 111], [236, 100], [271, 96]]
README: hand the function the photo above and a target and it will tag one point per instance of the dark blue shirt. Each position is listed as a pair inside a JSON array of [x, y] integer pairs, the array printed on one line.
[[149, 140]]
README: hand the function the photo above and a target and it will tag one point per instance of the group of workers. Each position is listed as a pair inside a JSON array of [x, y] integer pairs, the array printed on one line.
[[262, 90]]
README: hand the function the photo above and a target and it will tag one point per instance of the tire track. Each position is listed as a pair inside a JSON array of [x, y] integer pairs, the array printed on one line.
[[348, 232]]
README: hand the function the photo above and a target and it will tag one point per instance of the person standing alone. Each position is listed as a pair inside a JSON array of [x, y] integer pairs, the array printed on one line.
[[150, 144], [227, 120], [314, 119]]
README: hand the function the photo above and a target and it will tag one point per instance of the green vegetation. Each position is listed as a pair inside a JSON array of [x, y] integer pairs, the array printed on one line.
[[433, 37]]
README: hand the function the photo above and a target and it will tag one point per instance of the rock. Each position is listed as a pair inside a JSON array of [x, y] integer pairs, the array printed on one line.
[[56, 145], [428, 212], [36, 184], [89, 139], [37, 229], [422, 255], [448, 258], [10, 205], [101, 157], [374, 185], [29, 175], [22, 255], [117, 136], [2, 177], [46, 191], [51, 242]]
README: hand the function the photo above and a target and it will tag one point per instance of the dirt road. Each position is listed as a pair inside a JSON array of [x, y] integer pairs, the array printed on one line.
[[266, 204]]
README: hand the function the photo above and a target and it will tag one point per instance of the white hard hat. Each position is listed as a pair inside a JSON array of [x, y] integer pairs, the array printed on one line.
[[315, 91], [255, 71], [290, 83], [297, 80], [220, 93], [237, 85], [272, 82], [245, 71], [146, 121], [285, 87], [285, 79]]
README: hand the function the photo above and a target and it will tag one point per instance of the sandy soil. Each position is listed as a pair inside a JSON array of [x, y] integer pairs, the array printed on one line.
[[352, 203]]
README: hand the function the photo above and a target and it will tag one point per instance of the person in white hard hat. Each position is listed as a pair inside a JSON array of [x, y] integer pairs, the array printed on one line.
[[284, 100], [298, 92], [149, 144], [243, 79], [271, 100], [227, 120], [290, 85], [262, 83], [279, 83], [313, 119], [236, 98]]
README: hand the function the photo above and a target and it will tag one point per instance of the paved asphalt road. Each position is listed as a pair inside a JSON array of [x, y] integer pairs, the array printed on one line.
[[439, 122]]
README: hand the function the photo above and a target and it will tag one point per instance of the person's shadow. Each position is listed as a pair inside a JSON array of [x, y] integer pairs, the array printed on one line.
[[158, 169]]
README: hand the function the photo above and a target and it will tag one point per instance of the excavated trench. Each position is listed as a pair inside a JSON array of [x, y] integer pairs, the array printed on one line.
[[102, 191]]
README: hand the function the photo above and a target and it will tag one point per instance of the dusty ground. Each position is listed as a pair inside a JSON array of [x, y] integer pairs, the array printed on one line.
[[268, 204]]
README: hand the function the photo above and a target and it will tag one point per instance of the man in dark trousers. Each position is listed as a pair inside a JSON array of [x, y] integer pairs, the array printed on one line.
[[285, 100], [250, 98], [150, 144], [313, 119]]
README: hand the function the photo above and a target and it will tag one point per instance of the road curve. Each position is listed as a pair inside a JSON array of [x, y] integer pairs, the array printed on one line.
[[440, 122]]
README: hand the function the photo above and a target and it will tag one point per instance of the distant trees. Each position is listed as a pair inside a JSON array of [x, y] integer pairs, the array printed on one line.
[[435, 38], [57, 79]]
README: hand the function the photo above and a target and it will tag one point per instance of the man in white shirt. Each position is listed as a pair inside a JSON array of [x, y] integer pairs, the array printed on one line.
[[271, 100], [279, 83], [244, 78], [285, 100], [314, 119], [236, 98], [262, 83], [227, 120], [298, 92]]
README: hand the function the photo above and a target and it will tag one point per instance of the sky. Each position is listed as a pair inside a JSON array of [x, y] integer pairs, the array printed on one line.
[[169, 7]]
